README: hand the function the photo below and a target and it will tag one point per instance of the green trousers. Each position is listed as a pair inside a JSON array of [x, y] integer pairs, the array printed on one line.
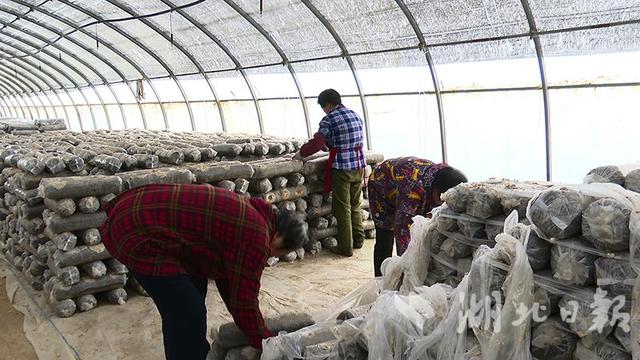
[[346, 187]]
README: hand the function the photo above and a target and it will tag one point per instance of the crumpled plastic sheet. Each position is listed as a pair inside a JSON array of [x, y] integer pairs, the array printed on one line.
[[594, 349], [395, 320], [505, 341], [409, 271]]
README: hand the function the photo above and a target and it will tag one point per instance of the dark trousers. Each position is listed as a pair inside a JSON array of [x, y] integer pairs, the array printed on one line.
[[181, 303], [383, 248]]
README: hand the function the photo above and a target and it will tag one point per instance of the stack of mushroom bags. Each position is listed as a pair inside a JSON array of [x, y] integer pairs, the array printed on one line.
[[55, 186]]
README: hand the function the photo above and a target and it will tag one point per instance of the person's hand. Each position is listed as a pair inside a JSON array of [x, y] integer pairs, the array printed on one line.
[[298, 156]]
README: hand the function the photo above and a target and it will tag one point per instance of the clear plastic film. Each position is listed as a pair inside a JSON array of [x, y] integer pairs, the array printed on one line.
[[500, 337], [627, 175], [396, 320], [595, 349], [409, 271], [557, 212], [365, 294], [321, 341]]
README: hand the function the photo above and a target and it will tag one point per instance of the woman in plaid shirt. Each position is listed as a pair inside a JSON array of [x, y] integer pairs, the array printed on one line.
[[341, 132], [176, 237]]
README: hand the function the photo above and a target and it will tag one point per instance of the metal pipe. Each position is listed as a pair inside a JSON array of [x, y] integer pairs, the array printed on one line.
[[22, 85], [33, 85], [51, 65], [189, 56], [16, 93], [347, 56], [285, 61], [28, 74], [545, 86], [422, 43], [66, 63]]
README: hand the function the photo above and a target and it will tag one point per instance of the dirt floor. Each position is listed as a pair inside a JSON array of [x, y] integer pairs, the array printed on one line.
[[13, 344], [133, 331]]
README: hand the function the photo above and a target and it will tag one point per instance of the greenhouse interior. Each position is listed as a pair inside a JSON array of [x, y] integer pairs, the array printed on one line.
[[319, 180]]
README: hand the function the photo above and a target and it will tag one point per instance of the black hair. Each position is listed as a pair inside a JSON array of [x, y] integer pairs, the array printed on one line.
[[293, 228], [447, 178], [330, 97]]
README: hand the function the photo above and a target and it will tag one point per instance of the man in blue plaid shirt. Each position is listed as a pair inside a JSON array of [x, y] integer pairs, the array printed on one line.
[[341, 133]]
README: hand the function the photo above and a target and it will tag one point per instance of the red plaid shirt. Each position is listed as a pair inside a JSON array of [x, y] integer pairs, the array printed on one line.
[[165, 230]]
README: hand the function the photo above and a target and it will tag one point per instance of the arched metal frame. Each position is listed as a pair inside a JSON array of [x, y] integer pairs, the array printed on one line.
[[17, 95], [28, 88], [213, 38], [101, 57], [34, 92], [15, 86], [345, 54], [161, 61], [545, 87], [285, 61], [70, 54], [137, 43], [422, 43], [68, 65], [55, 80], [18, 90], [57, 69], [15, 91], [37, 75], [189, 56], [7, 101], [10, 96], [73, 56]]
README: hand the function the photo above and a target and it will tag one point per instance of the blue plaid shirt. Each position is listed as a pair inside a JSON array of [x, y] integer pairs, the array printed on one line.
[[342, 128]]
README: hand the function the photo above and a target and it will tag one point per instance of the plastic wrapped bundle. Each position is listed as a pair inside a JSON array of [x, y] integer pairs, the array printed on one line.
[[497, 343], [446, 222], [615, 276], [483, 202], [410, 270], [552, 341], [557, 212], [583, 323], [538, 250], [456, 249], [632, 181], [590, 348], [494, 226], [624, 338], [571, 265], [108, 163], [395, 320], [437, 239], [605, 223], [441, 268], [31, 165], [547, 301], [605, 174], [457, 198], [472, 228]]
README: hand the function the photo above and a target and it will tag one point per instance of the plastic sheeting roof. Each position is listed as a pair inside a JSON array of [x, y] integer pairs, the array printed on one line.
[[215, 35], [59, 49]]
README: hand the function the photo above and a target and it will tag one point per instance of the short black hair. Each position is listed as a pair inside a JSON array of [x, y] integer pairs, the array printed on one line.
[[447, 178], [330, 97], [293, 228]]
